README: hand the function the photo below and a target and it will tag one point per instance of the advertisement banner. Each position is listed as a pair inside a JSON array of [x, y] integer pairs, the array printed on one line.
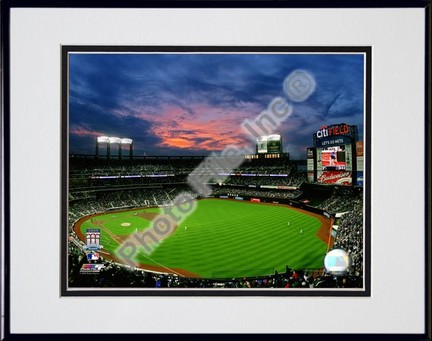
[[359, 178], [289, 188], [274, 146], [255, 200], [348, 158], [319, 159], [262, 145], [268, 186], [359, 148], [310, 165], [359, 163], [360, 155], [336, 178]]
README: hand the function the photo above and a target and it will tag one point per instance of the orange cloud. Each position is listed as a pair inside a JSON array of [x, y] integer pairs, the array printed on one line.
[[200, 127], [81, 131], [178, 142]]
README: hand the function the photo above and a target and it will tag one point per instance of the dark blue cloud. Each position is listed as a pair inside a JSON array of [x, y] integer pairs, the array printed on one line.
[[149, 97]]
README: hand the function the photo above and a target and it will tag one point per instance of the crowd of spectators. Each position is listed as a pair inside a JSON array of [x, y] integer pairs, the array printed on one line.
[[250, 192], [111, 200], [342, 200], [350, 237], [104, 183], [121, 276], [83, 170], [292, 180]]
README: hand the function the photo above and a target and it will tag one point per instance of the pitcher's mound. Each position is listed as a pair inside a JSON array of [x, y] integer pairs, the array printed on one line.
[[125, 224]]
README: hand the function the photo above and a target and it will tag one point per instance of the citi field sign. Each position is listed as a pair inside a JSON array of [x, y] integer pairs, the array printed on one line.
[[334, 130], [336, 134]]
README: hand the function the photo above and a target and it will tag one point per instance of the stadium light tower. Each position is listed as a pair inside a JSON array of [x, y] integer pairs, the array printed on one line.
[[114, 140], [127, 141], [99, 140]]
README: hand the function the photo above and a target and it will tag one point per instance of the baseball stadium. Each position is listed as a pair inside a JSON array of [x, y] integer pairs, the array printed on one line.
[[214, 168], [140, 222]]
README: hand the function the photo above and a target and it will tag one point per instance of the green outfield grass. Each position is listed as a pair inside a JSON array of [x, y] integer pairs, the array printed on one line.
[[227, 238]]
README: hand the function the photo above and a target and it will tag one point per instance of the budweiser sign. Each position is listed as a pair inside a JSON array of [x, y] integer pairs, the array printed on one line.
[[339, 178]]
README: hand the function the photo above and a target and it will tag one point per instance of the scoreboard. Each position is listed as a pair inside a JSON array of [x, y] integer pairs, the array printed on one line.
[[336, 157], [334, 165], [269, 144]]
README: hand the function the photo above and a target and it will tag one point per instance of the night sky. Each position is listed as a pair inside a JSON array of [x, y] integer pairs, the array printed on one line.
[[193, 104]]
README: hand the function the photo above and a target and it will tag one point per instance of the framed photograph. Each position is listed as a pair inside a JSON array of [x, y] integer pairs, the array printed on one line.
[[211, 189], [219, 157]]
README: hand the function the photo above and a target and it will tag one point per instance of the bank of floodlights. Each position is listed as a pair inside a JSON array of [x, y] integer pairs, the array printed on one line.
[[109, 140]]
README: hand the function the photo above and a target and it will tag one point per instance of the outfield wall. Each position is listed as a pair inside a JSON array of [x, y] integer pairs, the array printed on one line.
[[290, 202]]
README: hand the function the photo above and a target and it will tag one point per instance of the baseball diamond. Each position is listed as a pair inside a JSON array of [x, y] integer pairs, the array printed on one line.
[[222, 238]]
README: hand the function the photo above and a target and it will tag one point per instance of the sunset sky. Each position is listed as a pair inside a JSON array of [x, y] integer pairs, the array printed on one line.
[[184, 104]]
